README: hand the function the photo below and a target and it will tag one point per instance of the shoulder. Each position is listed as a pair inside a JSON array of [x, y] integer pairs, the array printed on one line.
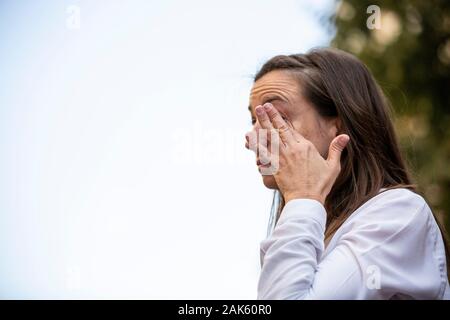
[[399, 198], [399, 206], [395, 213], [396, 232]]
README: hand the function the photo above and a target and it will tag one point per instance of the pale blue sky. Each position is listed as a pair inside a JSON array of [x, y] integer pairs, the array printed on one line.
[[123, 168]]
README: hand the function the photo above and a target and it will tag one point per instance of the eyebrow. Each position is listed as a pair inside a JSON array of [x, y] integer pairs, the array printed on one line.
[[272, 98], [268, 99]]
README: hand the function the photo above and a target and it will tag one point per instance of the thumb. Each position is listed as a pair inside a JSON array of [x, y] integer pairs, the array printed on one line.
[[336, 147]]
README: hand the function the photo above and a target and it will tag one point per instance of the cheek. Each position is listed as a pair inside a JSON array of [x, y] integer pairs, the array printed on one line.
[[312, 131], [305, 128]]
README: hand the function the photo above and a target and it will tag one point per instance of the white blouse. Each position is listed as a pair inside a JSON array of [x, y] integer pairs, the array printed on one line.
[[390, 248]]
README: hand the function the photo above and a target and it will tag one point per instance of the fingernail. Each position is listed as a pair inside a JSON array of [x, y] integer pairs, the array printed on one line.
[[343, 140], [267, 106], [259, 110]]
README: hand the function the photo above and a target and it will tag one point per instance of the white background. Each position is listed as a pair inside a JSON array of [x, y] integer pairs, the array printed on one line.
[[123, 172]]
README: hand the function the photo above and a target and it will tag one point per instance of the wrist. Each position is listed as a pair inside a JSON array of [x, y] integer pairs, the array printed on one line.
[[297, 195]]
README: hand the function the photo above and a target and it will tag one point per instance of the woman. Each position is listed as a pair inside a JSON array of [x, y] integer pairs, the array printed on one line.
[[349, 224]]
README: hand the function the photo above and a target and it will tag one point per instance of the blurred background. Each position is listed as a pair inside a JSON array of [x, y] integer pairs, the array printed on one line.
[[123, 172], [410, 58]]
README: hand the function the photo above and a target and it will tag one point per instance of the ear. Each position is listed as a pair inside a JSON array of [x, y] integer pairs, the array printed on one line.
[[331, 130], [334, 127]]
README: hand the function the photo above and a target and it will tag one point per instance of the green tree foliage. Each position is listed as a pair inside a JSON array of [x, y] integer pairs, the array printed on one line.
[[409, 56]]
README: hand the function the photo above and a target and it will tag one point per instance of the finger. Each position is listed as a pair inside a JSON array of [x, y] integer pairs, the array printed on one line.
[[336, 147], [269, 159], [263, 118], [254, 138], [278, 122], [264, 155]]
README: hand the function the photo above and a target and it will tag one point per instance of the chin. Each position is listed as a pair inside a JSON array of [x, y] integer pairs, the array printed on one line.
[[269, 182]]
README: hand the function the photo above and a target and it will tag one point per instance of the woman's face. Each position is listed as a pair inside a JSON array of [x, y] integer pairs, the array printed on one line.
[[285, 93]]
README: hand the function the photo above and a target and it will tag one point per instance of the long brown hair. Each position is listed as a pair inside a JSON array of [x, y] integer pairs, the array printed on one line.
[[339, 85]]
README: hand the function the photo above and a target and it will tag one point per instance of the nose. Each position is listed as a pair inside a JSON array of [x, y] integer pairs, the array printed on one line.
[[247, 140], [253, 132]]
